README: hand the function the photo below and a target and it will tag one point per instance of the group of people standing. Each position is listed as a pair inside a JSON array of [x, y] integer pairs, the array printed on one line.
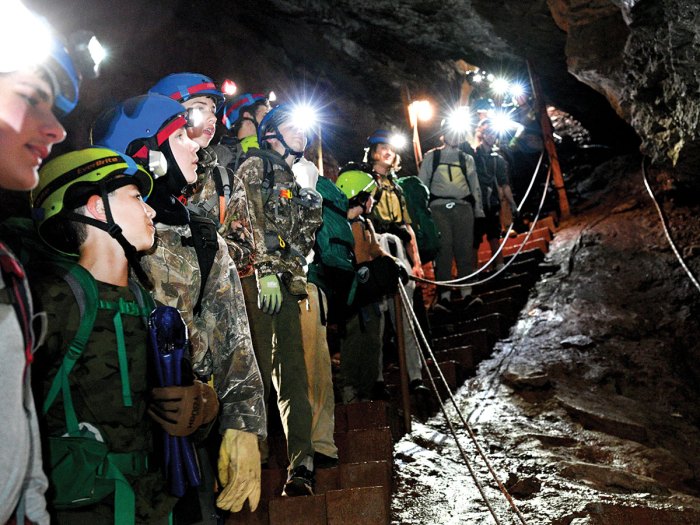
[[239, 240]]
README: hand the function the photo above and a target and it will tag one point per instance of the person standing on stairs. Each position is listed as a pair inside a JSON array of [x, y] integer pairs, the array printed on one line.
[[455, 201], [492, 170]]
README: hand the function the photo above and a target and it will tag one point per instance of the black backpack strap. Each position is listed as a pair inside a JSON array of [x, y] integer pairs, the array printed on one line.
[[205, 243], [436, 163]]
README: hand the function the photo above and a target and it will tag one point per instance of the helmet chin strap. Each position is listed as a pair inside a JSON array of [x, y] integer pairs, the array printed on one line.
[[287, 150], [115, 231], [251, 119]]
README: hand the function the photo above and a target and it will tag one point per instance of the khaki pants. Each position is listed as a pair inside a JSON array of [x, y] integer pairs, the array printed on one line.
[[318, 369]]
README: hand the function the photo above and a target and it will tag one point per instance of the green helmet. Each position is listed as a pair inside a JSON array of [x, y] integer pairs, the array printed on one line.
[[68, 181], [354, 182]]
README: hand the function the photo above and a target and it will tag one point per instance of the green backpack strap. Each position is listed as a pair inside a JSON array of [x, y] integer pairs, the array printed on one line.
[[84, 288]]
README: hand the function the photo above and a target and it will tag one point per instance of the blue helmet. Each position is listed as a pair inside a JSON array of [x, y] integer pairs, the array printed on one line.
[[183, 86], [146, 121], [232, 110], [64, 78], [379, 136], [63, 69], [269, 129]]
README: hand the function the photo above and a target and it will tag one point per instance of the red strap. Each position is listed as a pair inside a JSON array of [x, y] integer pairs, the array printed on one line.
[[163, 135], [14, 280]]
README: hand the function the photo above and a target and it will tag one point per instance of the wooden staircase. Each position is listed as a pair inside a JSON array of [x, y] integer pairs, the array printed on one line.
[[359, 489]]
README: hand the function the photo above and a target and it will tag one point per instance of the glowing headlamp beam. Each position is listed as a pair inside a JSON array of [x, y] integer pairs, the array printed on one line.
[[397, 141], [305, 117], [500, 86], [25, 39], [459, 121]]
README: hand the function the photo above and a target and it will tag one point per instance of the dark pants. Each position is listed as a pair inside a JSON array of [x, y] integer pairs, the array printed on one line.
[[278, 347]]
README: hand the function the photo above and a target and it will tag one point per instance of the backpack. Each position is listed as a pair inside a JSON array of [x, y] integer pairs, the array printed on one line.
[[417, 199], [333, 268], [82, 471], [463, 168]]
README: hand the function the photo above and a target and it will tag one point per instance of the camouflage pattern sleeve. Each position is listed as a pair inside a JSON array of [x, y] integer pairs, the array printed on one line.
[[251, 173], [175, 273], [237, 229], [236, 375], [219, 336], [310, 220]]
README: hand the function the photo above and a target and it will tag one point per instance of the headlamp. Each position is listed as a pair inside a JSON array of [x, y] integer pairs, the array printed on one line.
[[517, 90], [502, 123], [271, 97], [194, 117], [500, 86], [87, 53], [228, 87], [397, 141], [304, 117], [25, 39], [459, 121]]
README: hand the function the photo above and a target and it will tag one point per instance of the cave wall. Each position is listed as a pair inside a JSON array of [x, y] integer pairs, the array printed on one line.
[[627, 69]]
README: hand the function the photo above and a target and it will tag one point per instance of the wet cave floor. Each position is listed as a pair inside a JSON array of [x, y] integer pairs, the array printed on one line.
[[588, 411]]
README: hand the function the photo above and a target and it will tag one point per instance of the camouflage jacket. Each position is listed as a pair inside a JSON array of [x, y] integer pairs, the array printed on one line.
[[234, 223], [96, 383], [220, 335], [283, 224]]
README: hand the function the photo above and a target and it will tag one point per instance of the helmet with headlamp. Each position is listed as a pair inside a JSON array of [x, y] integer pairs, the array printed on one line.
[[28, 41], [183, 86], [139, 127], [269, 128], [68, 181], [233, 110]]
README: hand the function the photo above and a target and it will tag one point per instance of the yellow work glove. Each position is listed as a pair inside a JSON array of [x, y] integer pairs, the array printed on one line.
[[239, 470]]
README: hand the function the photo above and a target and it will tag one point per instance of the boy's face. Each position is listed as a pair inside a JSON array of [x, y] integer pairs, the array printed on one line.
[[384, 155], [134, 216], [185, 152], [260, 111], [292, 135], [203, 133], [488, 135], [28, 128]]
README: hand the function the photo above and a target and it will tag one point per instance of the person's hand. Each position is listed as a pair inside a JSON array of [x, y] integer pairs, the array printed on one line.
[[239, 471], [417, 271], [269, 294], [181, 410], [403, 272]]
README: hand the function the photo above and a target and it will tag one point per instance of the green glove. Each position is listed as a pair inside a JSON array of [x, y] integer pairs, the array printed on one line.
[[269, 294]]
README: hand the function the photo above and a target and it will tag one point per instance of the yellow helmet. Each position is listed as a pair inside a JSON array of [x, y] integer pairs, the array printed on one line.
[[66, 183]]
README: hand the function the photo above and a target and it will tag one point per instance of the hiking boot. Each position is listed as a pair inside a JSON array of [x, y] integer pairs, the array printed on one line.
[[421, 397], [300, 482], [418, 387], [470, 301], [379, 392], [323, 461], [443, 306]]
